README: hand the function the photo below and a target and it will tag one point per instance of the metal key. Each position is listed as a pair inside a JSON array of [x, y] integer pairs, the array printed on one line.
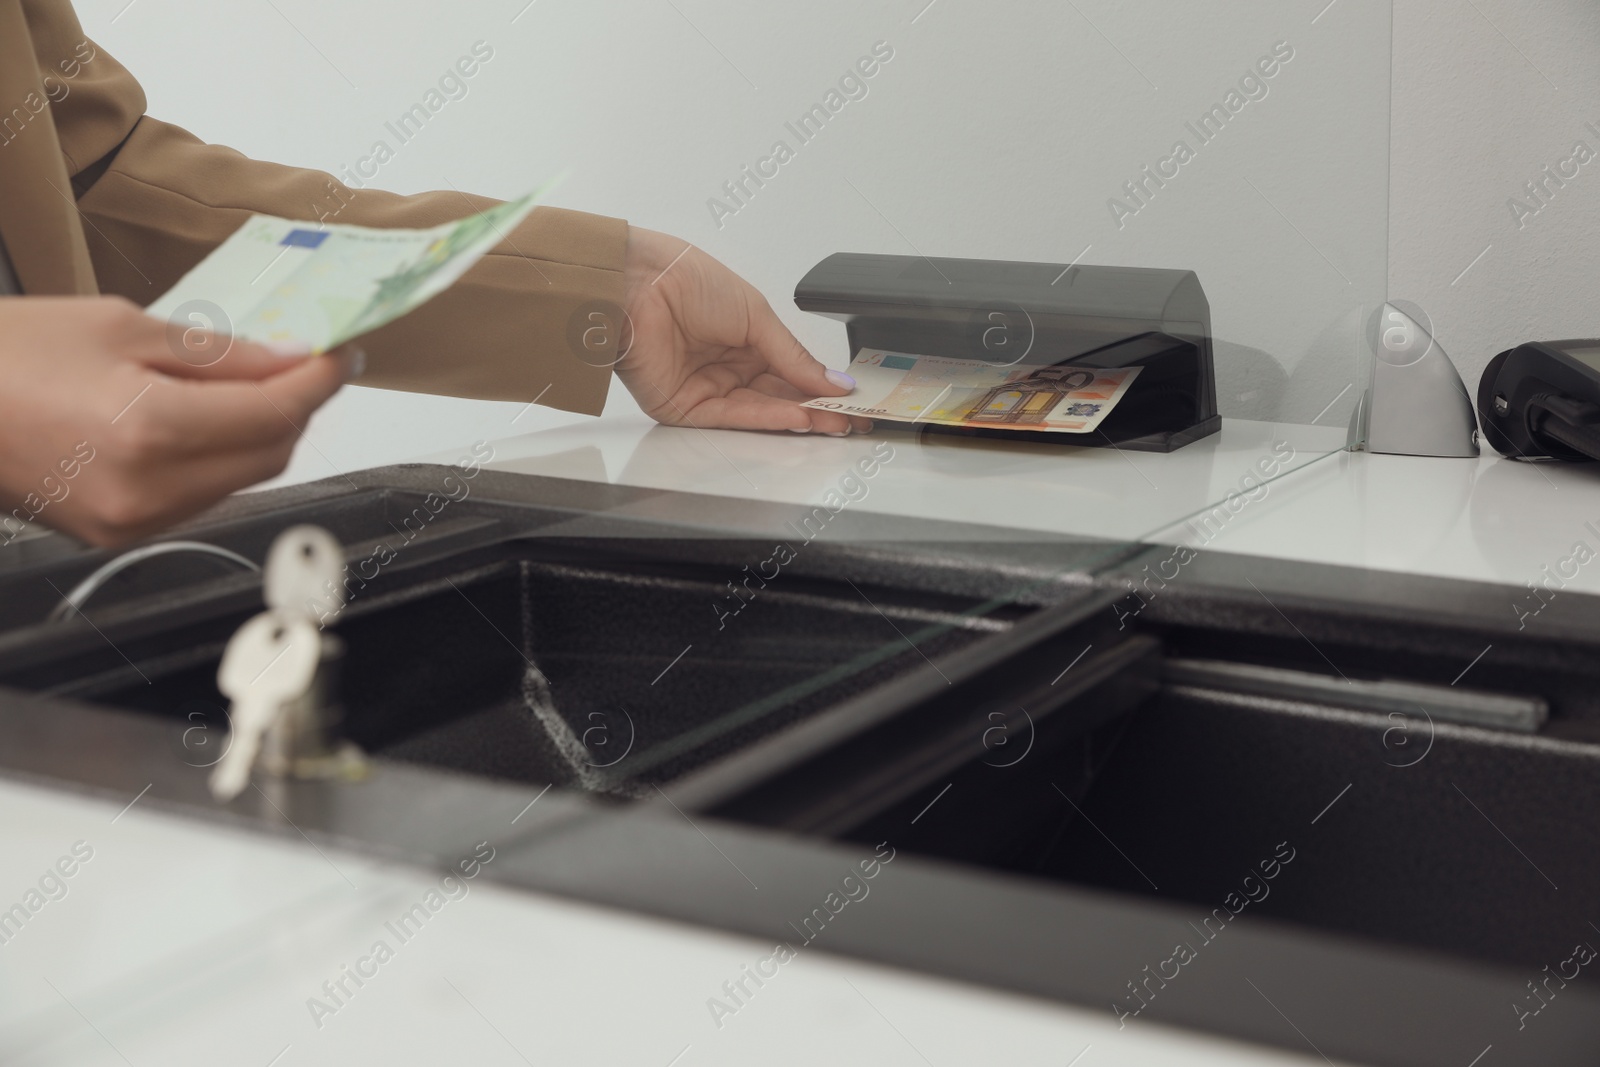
[[304, 572], [270, 662]]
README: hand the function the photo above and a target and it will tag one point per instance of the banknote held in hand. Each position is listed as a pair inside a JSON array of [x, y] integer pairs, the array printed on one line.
[[295, 283]]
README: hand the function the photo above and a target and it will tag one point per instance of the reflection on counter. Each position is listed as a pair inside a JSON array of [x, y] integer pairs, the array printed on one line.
[[1100, 493]]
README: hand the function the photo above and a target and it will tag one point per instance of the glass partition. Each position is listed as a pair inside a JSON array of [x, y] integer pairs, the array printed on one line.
[[1247, 145], [619, 640], [1200, 185], [1005, 151]]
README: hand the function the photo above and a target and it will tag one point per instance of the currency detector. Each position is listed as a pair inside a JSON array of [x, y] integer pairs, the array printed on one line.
[[1038, 314]]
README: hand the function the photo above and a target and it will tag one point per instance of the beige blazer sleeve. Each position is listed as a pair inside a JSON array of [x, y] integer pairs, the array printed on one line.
[[155, 200]]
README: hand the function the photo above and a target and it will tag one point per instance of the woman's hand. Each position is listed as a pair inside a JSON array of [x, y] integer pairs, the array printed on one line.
[[707, 350], [114, 425]]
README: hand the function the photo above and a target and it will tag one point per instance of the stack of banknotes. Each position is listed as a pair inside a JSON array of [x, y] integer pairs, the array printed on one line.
[[903, 387]]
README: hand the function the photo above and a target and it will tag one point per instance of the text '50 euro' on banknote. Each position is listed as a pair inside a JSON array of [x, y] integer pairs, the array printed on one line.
[[899, 387], [281, 281]]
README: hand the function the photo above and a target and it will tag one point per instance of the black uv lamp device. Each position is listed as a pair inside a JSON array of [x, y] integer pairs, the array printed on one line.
[[1038, 314], [1542, 400]]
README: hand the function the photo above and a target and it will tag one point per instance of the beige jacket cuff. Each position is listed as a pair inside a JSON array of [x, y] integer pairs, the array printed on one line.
[[513, 328]]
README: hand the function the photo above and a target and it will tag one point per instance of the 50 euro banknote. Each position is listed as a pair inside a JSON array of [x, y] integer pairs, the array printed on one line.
[[298, 283], [902, 387]]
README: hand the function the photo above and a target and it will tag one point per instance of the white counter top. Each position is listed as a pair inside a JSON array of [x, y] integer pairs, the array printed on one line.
[[1486, 519], [1104, 493]]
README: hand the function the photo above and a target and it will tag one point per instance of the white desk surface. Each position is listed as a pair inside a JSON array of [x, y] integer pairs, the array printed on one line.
[[1488, 519], [1485, 519], [183, 943], [1107, 493]]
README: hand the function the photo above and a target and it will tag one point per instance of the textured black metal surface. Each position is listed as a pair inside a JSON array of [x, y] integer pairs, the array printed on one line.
[[1357, 1000], [367, 507], [1421, 901], [1346, 621], [437, 670], [1486, 846]]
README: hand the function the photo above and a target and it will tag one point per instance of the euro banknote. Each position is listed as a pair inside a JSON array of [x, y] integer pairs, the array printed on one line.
[[902, 387], [298, 283]]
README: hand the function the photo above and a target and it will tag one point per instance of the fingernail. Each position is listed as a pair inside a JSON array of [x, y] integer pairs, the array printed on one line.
[[841, 379], [840, 433], [288, 349], [799, 429], [355, 361]]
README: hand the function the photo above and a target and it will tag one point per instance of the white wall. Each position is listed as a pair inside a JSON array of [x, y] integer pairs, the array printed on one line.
[[999, 130], [1487, 92]]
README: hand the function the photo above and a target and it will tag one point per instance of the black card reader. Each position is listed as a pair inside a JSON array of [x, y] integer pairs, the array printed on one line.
[[1542, 400], [1046, 314]]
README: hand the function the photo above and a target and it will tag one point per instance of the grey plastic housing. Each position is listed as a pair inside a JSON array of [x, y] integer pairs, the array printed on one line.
[[1417, 404], [1014, 313]]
